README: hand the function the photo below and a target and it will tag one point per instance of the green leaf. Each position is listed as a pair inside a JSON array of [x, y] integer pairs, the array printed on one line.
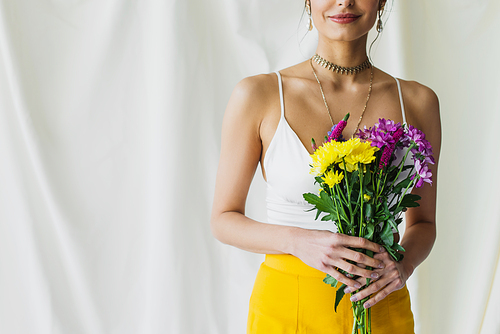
[[369, 211], [339, 295], [367, 178], [386, 207], [354, 177], [386, 234], [322, 203], [410, 201], [369, 232], [393, 207], [401, 185], [328, 217], [310, 197], [392, 222], [398, 247], [391, 173], [397, 210], [354, 195], [395, 255], [330, 280]]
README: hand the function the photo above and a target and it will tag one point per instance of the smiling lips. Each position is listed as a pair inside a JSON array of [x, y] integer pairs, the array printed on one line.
[[344, 18]]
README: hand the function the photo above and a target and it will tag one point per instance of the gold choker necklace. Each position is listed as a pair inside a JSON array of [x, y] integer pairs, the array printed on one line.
[[340, 69]]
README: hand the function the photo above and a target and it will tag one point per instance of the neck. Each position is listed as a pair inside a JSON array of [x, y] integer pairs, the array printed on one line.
[[347, 54]]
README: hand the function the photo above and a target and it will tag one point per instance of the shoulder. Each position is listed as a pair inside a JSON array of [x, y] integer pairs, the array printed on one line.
[[252, 100], [419, 98], [256, 89], [416, 97], [253, 95], [421, 103]]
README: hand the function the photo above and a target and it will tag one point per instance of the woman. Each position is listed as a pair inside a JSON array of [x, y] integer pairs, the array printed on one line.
[[270, 119]]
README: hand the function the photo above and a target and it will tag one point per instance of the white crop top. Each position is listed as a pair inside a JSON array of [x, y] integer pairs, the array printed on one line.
[[286, 164]]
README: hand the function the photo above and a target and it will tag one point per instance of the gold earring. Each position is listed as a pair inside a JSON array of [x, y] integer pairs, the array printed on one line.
[[309, 21]]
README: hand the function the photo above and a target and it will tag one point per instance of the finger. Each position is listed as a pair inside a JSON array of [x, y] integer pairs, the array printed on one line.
[[384, 257], [371, 289], [356, 242], [362, 259], [356, 271], [342, 278], [362, 281], [381, 295]]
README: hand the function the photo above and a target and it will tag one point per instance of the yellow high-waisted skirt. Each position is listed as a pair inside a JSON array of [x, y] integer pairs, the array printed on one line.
[[290, 297]]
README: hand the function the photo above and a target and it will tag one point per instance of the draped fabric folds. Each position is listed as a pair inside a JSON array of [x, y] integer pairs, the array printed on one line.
[[110, 119]]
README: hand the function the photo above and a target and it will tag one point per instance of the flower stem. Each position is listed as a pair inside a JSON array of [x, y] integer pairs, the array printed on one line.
[[402, 163], [404, 193], [339, 223], [348, 193], [369, 322], [398, 198], [361, 198]]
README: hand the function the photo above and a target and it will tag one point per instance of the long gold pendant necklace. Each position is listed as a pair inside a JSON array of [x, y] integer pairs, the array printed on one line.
[[347, 70]]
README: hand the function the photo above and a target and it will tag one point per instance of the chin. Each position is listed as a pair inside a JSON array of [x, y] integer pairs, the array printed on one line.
[[344, 36]]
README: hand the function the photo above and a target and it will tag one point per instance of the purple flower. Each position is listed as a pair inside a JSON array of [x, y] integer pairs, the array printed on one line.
[[421, 149], [386, 155], [336, 132], [387, 125], [424, 174], [363, 134], [415, 134], [418, 137], [425, 147], [334, 135], [389, 148], [398, 134], [389, 136], [381, 139], [384, 133], [429, 160]]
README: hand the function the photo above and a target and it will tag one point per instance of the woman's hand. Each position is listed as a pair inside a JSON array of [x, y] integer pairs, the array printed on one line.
[[391, 278], [327, 251]]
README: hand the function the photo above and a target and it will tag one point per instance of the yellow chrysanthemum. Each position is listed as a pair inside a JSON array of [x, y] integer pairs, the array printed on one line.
[[363, 153], [324, 157], [348, 167], [332, 178], [345, 148]]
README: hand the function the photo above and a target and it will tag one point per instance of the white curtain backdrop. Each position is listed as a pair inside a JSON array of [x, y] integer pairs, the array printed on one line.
[[110, 118]]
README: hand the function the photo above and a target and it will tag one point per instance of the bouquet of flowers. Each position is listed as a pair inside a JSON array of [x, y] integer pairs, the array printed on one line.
[[365, 187]]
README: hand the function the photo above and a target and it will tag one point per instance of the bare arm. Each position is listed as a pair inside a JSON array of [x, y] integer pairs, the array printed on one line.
[[241, 152]]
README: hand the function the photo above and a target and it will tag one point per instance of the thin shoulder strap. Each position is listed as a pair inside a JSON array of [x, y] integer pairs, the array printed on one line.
[[401, 100], [281, 94]]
